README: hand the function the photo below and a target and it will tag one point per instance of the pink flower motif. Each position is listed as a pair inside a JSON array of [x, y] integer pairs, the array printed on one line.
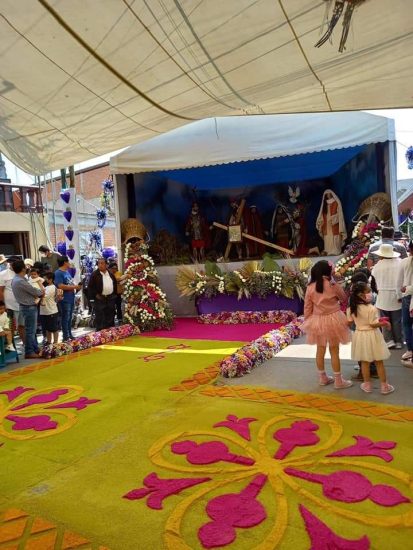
[[300, 434], [13, 394], [238, 425], [158, 489], [79, 404], [209, 452], [230, 511], [347, 486], [367, 447], [38, 423], [43, 398], [323, 538]]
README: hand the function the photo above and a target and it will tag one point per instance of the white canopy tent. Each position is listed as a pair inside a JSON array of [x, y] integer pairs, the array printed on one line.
[[215, 141], [80, 79]]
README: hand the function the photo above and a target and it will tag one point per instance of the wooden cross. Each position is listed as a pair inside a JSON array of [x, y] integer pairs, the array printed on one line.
[[238, 217]]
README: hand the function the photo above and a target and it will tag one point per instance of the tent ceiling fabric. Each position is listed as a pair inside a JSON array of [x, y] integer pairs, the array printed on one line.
[[225, 140], [80, 79], [297, 168]]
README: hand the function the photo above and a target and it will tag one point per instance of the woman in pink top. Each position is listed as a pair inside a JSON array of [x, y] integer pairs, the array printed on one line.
[[324, 322]]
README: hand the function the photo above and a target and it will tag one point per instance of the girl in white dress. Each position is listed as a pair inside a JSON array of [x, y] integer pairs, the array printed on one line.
[[368, 344]]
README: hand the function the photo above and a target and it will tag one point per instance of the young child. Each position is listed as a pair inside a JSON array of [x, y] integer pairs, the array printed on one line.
[[324, 322], [48, 310], [363, 275], [368, 343], [35, 279], [5, 327]]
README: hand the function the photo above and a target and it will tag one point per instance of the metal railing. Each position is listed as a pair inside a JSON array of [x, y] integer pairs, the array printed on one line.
[[20, 199]]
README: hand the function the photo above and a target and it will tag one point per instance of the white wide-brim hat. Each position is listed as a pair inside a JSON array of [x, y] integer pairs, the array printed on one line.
[[386, 251], [29, 261], [2, 259]]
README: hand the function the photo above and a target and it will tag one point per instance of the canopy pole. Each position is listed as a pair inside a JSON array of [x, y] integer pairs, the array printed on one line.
[[393, 183]]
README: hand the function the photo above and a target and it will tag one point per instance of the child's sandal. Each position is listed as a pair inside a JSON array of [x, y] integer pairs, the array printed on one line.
[[366, 387], [325, 380], [386, 388]]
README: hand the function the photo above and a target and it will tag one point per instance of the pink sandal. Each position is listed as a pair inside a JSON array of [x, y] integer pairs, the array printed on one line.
[[386, 388], [340, 383], [325, 380], [366, 387]]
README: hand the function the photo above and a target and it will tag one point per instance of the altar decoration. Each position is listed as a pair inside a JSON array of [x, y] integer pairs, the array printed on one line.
[[355, 254], [71, 231], [246, 317], [257, 352], [90, 340], [409, 157], [254, 279], [146, 305]]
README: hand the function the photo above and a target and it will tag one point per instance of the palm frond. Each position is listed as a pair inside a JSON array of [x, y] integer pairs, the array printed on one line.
[[248, 269], [184, 278]]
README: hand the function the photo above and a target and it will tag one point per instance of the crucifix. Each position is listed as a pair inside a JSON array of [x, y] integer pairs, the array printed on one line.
[[235, 235]]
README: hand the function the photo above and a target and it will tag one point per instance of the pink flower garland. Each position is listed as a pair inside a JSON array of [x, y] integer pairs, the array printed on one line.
[[257, 352], [90, 340], [243, 317]]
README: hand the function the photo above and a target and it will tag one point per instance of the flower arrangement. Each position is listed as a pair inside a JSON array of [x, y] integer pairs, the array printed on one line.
[[355, 254], [243, 317], [95, 240], [261, 279], [101, 215], [146, 305], [250, 356], [107, 195], [90, 340]]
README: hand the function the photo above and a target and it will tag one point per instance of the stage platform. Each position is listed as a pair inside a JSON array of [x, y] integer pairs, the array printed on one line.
[[184, 307]]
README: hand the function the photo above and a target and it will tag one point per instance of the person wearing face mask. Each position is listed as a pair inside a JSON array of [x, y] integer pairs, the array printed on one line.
[[367, 343], [385, 273]]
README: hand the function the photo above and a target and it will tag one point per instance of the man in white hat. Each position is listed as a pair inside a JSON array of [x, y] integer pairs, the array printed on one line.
[[385, 273], [7, 296]]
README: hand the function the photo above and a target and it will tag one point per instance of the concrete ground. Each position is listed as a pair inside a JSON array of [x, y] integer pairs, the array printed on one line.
[[294, 369]]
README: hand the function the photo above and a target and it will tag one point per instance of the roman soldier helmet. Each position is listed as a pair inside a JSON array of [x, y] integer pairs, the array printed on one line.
[[133, 228]]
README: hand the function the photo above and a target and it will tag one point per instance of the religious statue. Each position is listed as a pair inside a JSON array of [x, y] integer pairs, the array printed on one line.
[[254, 228], [198, 230], [145, 302], [283, 230], [236, 225], [331, 224]]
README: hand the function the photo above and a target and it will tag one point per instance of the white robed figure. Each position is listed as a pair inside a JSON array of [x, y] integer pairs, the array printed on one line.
[[331, 224]]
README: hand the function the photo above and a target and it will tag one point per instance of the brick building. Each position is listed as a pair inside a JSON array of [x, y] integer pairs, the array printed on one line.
[[88, 182]]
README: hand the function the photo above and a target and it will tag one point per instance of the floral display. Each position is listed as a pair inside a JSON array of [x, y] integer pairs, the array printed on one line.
[[244, 317], [107, 195], [90, 340], [245, 359], [146, 305], [101, 215], [265, 481], [355, 254], [260, 279]]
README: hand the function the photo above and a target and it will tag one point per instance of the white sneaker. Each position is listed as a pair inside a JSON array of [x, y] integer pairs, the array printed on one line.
[[390, 344], [9, 347], [407, 363], [398, 346], [407, 355]]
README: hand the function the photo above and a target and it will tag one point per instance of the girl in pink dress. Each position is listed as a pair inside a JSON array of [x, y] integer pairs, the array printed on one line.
[[324, 322]]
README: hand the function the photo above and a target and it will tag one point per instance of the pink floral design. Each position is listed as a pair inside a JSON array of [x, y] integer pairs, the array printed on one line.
[[157, 489], [367, 447], [297, 457], [40, 413], [239, 425]]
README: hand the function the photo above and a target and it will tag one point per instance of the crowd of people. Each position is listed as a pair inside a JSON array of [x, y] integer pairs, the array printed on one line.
[[376, 314], [42, 295]]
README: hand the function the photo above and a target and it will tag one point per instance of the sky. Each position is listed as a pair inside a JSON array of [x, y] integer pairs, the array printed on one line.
[[404, 137]]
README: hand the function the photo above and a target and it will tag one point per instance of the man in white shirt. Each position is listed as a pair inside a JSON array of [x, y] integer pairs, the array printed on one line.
[[7, 296], [102, 289], [385, 273]]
